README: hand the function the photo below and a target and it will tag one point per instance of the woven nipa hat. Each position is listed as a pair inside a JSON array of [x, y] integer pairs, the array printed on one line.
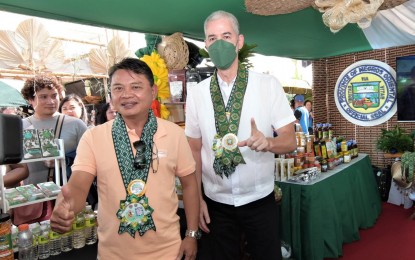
[[174, 50]]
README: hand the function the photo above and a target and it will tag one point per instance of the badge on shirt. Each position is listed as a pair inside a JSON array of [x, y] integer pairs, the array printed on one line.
[[230, 142], [135, 215], [137, 187]]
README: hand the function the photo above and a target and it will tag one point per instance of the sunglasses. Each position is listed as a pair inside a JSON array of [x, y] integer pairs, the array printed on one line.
[[140, 160]]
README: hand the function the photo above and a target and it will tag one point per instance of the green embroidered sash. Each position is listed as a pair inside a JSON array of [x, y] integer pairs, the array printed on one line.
[[134, 212], [227, 160]]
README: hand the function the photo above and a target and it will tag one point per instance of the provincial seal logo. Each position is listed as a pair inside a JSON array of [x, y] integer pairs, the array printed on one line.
[[365, 93]]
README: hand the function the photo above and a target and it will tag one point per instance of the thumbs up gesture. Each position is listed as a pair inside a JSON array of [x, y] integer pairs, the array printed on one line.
[[63, 214], [257, 141]]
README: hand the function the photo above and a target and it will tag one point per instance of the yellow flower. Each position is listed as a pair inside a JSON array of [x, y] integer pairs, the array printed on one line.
[[161, 79], [164, 112], [160, 72]]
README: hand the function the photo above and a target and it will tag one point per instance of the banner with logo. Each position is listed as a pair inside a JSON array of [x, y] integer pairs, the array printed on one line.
[[365, 93]]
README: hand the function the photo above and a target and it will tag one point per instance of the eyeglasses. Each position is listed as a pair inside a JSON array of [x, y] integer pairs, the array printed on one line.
[[155, 158], [140, 160]]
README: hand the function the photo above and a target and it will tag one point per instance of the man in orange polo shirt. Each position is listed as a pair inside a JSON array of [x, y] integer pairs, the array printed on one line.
[[135, 158]]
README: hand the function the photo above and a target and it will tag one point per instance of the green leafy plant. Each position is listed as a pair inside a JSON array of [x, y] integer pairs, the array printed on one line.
[[395, 140], [244, 53]]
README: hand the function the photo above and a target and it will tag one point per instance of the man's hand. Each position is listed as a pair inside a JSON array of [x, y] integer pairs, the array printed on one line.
[[204, 218], [63, 214], [188, 249], [257, 141]]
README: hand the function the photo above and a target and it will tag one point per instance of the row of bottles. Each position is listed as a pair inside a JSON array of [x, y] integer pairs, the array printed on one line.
[[323, 131], [39, 241]]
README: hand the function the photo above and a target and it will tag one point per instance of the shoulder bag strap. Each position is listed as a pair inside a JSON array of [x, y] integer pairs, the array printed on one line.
[[58, 128]]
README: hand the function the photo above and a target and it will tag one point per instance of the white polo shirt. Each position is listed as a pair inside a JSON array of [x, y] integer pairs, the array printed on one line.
[[265, 101]]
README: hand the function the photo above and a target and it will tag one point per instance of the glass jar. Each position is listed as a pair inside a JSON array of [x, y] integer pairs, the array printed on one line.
[[6, 246], [317, 165], [324, 166], [303, 141], [346, 157], [344, 146], [310, 143]]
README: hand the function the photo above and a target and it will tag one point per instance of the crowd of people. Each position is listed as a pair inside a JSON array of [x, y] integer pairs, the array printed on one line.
[[303, 113], [224, 158]]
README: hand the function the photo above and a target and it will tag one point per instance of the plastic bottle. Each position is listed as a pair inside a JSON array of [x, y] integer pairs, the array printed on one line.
[[67, 241], [55, 243], [90, 226], [35, 229], [25, 242], [15, 232], [78, 227], [43, 242]]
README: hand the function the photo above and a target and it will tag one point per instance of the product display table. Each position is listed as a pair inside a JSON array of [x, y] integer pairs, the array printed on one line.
[[318, 217]]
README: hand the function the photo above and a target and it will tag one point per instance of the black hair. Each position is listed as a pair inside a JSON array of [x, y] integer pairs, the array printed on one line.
[[84, 114], [101, 116], [135, 65]]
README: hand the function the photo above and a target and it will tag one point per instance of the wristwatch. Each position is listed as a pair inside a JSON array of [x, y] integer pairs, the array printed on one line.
[[197, 234]]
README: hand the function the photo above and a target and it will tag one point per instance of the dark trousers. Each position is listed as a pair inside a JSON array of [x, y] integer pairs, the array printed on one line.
[[257, 221]]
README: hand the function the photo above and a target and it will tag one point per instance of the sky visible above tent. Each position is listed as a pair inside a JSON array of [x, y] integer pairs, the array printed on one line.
[[300, 35]]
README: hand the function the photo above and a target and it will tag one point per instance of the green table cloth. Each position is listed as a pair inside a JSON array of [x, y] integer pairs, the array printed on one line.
[[318, 217]]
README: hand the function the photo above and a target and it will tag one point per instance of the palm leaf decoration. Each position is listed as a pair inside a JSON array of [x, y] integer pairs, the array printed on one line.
[[243, 55], [101, 59], [30, 47]]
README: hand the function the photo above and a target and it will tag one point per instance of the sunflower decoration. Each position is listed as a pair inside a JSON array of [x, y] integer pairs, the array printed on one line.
[[161, 80]]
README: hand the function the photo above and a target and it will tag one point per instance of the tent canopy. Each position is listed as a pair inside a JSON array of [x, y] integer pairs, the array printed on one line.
[[300, 35], [10, 97]]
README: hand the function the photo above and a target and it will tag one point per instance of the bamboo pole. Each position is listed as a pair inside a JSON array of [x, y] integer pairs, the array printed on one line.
[[79, 41], [27, 73]]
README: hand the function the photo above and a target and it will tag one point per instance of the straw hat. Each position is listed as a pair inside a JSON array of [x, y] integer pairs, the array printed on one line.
[[398, 176], [174, 50]]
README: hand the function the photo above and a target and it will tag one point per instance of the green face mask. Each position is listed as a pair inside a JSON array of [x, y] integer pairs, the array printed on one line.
[[222, 54]]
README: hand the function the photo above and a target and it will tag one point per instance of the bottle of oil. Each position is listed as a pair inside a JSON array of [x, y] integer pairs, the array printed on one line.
[[330, 129], [320, 132], [325, 132]]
